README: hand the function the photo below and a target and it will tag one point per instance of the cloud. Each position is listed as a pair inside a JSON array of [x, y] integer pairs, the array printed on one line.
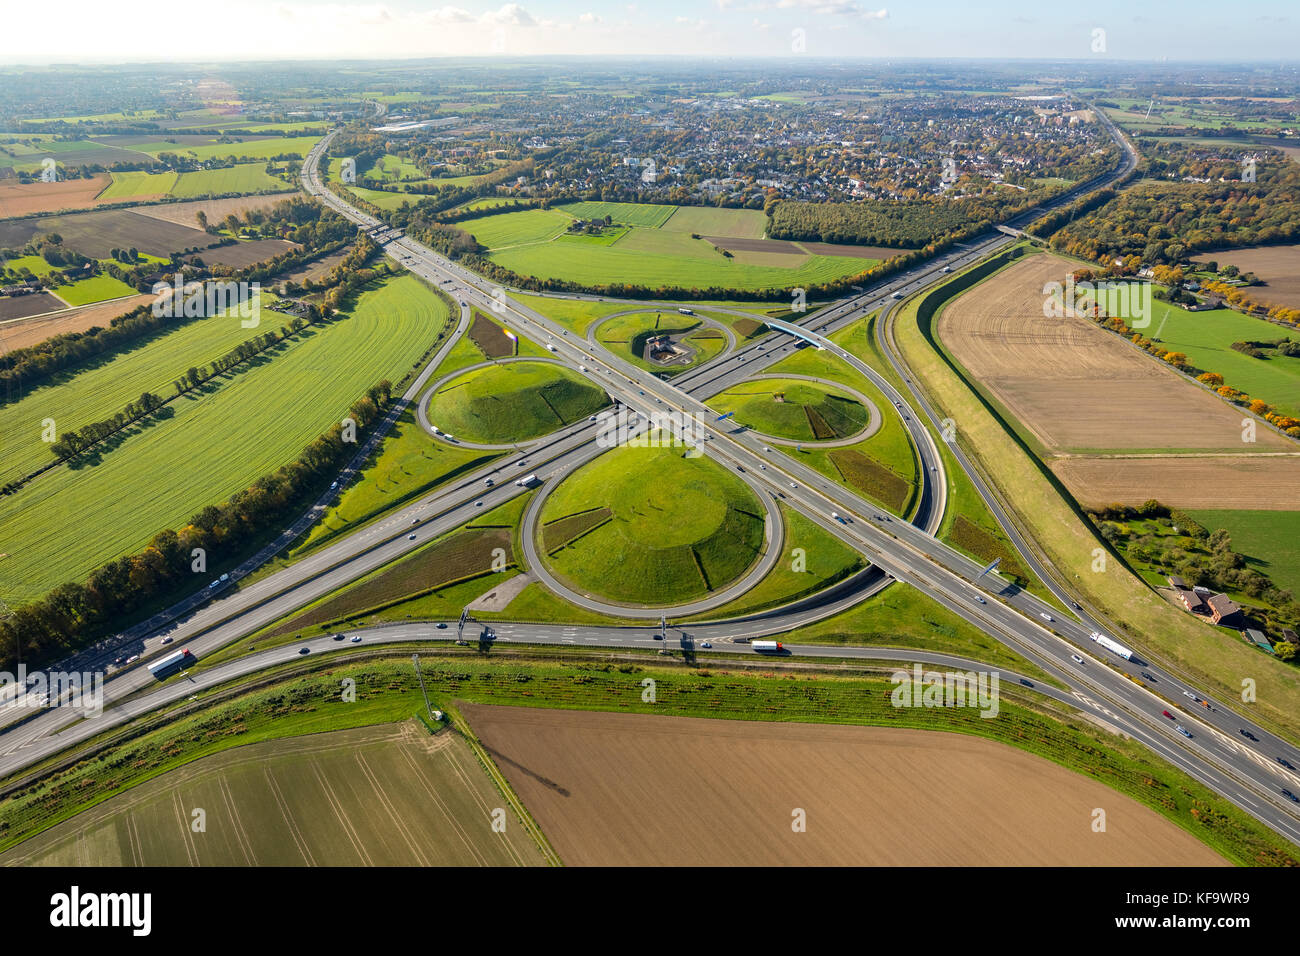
[[837, 8], [693, 24], [511, 15], [589, 18]]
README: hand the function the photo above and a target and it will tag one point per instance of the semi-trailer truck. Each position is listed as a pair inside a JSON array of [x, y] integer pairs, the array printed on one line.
[[685, 311], [170, 664], [767, 647], [1112, 646]]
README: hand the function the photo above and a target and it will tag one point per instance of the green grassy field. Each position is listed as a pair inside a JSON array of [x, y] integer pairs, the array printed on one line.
[[244, 178], [712, 221], [130, 185], [165, 470], [383, 199], [677, 529], [100, 390], [802, 409], [257, 149], [649, 253], [95, 289], [1206, 339], [628, 213], [514, 401], [36, 265], [1271, 539]]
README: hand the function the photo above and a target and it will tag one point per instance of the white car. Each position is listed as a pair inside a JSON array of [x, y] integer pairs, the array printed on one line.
[[1046, 617], [167, 640], [357, 639], [1076, 658]]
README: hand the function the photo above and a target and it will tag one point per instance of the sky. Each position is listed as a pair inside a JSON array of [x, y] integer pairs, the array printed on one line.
[[154, 30]]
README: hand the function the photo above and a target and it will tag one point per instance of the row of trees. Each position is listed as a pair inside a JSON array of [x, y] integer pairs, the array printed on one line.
[[872, 222], [74, 614], [78, 440]]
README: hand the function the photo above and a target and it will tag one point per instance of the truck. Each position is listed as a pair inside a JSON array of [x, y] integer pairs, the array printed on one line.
[[1113, 646], [528, 481], [685, 311], [165, 667], [838, 517], [767, 647]]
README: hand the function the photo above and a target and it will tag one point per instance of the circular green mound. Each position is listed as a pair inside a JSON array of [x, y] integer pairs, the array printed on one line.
[[626, 336], [513, 401], [647, 526], [794, 409]]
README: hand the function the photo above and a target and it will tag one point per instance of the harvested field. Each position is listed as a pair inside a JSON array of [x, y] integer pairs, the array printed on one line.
[[845, 249], [95, 234], [244, 254], [389, 795], [1258, 482], [490, 337], [313, 271], [869, 793], [184, 213], [748, 328], [734, 244], [25, 199], [21, 306], [1277, 266], [17, 335], [1074, 386]]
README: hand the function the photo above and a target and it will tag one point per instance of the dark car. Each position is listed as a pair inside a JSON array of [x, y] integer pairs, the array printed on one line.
[[1167, 714], [1027, 683], [1248, 735], [1150, 677], [304, 650], [442, 625], [1286, 763], [1291, 796], [338, 637]]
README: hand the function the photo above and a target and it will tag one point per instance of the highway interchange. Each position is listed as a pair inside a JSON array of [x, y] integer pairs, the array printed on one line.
[[1104, 687]]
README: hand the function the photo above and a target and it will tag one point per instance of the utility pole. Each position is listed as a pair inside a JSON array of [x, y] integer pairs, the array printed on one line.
[[420, 677]]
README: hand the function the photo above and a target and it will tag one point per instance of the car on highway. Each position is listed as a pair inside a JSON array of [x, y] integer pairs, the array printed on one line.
[[167, 640], [1169, 715], [1290, 796], [1045, 616], [410, 537], [706, 644], [1150, 677], [339, 637], [1076, 658], [793, 485], [1027, 683], [980, 599], [1188, 693], [415, 521], [947, 269], [1248, 735], [1075, 605], [1184, 731], [356, 639], [489, 482], [304, 650], [1286, 763], [442, 625]]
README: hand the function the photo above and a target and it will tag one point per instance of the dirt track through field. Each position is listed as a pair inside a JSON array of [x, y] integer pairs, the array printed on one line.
[[639, 790]]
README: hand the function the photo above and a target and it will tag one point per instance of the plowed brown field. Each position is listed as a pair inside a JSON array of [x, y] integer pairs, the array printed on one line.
[[638, 790]]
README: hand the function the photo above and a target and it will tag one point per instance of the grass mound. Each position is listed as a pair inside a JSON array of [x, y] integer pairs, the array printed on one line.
[[798, 410], [677, 529], [514, 401]]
